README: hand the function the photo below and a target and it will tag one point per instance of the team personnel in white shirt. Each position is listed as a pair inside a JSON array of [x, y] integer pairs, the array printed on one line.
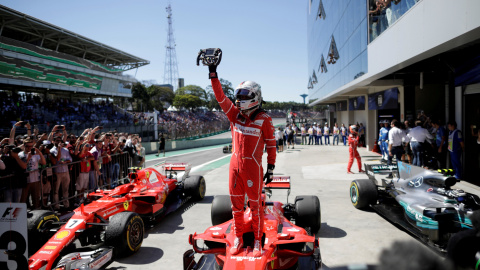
[[396, 137], [417, 137]]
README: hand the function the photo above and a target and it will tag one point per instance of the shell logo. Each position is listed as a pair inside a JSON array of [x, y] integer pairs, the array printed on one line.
[[61, 235], [50, 247]]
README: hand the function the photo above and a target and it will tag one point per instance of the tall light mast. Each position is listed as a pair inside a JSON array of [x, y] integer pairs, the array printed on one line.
[[170, 75]]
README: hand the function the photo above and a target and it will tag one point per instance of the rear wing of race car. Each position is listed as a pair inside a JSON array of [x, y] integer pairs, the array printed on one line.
[[170, 168], [278, 182], [372, 169]]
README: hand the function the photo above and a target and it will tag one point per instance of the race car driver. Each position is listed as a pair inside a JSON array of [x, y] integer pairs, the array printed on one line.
[[252, 128], [352, 149]]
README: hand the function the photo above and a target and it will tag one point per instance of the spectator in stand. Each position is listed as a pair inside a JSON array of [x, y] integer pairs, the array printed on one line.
[[82, 150], [303, 133], [455, 147], [440, 143], [47, 175], [311, 139], [96, 152], [62, 158], [32, 157], [417, 137], [326, 134], [336, 133], [15, 168]]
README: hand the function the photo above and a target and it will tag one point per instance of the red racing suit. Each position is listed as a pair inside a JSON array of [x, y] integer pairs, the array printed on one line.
[[246, 173], [353, 143]]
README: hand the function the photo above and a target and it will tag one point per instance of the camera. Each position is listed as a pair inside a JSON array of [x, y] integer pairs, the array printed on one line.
[[209, 57], [61, 127], [100, 127], [32, 151], [23, 123]]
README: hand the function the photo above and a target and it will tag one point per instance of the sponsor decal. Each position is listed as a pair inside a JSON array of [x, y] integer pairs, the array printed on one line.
[[249, 183], [50, 247], [258, 122], [125, 205], [54, 242], [100, 261], [45, 252], [417, 182], [10, 214], [72, 223], [430, 190], [413, 212], [247, 130], [216, 233], [215, 229], [247, 258], [281, 180], [110, 211], [62, 234], [293, 230]]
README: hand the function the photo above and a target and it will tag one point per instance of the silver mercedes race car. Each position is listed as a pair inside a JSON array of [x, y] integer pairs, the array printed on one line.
[[421, 201]]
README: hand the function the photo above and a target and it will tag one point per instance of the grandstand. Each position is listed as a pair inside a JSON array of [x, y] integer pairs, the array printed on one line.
[[36, 56]]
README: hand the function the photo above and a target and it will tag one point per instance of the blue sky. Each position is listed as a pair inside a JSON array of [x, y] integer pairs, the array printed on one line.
[[262, 40]]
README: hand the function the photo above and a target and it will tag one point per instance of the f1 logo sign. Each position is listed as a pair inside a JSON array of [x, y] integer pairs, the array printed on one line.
[[13, 214]]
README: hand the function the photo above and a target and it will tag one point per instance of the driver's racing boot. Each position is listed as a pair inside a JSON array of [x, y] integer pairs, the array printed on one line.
[[237, 246], [257, 248]]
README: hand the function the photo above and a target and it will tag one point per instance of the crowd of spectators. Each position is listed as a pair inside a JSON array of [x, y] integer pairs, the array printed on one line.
[[49, 112], [53, 170]]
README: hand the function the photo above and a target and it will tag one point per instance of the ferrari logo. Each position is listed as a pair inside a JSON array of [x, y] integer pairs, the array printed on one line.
[[147, 173], [125, 205]]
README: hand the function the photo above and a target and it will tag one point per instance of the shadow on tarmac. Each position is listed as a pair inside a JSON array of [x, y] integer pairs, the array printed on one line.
[[331, 232], [171, 223], [145, 255]]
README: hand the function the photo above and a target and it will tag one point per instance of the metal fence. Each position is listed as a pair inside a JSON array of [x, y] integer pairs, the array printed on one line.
[[53, 193]]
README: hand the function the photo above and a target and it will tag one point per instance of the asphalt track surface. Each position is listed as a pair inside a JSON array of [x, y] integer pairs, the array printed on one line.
[[347, 235]]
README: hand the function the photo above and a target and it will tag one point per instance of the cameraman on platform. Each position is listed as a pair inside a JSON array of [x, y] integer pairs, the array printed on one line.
[[252, 128]]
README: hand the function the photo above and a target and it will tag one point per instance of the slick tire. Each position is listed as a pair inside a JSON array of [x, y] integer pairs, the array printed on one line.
[[38, 224], [195, 186], [221, 209], [307, 213], [125, 233], [363, 193], [225, 149]]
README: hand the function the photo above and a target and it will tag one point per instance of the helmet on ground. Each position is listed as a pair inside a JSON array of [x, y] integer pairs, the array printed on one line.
[[248, 95], [353, 129]]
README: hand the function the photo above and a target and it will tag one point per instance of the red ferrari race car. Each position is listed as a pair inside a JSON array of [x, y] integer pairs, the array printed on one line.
[[285, 245], [113, 223]]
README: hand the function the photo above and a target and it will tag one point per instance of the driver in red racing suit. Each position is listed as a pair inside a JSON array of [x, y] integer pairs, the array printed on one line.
[[352, 149], [252, 128]]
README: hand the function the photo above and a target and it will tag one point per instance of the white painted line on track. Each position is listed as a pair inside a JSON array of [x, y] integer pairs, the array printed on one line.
[[206, 163], [183, 154]]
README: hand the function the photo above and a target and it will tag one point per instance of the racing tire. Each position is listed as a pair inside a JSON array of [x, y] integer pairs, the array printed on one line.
[[38, 224], [363, 193], [221, 209], [125, 233], [307, 213], [196, 187], [225, 149]]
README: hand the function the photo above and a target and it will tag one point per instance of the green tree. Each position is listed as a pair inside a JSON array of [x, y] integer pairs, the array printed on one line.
[[190, 102], [159, 97], [139, 97], [193, 90], [227, 90]]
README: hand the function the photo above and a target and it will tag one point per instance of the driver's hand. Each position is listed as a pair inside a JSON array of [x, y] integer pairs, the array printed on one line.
[[268, 177], [212, 71]]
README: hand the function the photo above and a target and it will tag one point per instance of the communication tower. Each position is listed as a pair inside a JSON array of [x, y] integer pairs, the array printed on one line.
[[170, 75]]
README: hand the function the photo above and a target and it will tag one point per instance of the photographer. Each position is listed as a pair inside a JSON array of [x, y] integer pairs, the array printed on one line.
[[13, 166], [19, 139], [130, 148], [84, 155], [62, 157], [32, 157]]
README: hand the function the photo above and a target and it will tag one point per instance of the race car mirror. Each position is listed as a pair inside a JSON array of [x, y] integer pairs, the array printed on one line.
[[209, 57]]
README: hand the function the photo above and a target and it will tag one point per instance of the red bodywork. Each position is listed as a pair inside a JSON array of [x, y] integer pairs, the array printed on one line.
[[145, 195], [282, 239]]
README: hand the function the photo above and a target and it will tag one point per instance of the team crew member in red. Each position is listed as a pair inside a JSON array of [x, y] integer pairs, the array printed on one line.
[[353, 144], [252, 128]]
